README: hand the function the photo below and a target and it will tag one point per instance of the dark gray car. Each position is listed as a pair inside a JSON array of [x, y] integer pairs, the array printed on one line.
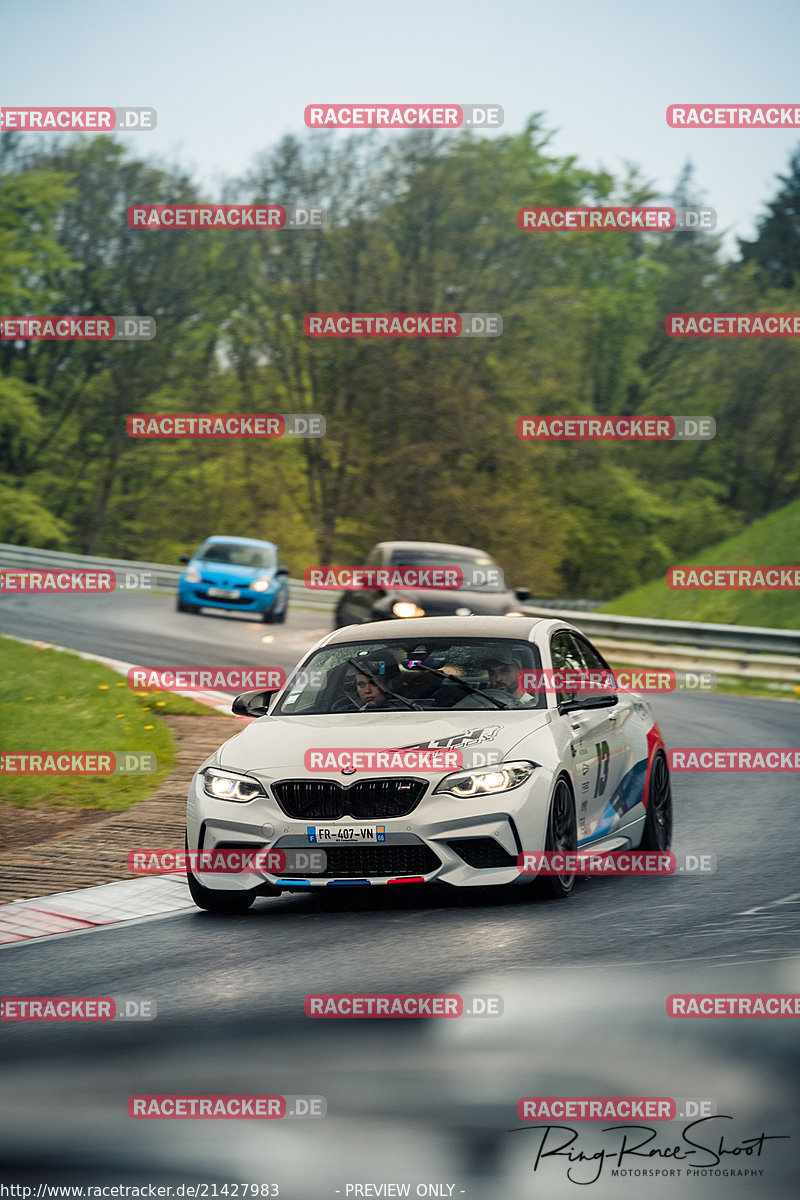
[[484, 591]]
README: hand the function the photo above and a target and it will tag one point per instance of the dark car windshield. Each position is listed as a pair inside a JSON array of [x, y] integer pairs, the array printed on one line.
[[430, 675], [236, 555], [481, 573]]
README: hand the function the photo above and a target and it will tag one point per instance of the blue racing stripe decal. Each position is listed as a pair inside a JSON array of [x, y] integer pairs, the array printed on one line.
[[626, 797]]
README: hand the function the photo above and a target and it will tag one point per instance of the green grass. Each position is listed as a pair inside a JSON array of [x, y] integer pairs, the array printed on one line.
[[772, 541], [55, 701]]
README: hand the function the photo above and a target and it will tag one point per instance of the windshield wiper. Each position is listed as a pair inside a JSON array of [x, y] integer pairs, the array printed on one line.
[[469, 687], [386, 691]]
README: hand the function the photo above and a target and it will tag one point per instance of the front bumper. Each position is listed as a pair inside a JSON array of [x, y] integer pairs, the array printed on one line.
[[247, 601], [464, 843]]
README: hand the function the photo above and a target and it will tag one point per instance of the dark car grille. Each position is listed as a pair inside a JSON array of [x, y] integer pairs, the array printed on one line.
[[482, 853], [327, 800], [371, 862]]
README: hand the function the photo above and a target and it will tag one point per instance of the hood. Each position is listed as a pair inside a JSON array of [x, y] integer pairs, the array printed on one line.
[[276, 746]]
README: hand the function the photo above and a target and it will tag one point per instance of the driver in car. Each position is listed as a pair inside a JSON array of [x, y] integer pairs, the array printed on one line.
[[504, 667], [386, 672]]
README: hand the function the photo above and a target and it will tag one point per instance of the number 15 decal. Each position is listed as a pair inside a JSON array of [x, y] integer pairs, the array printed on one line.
[[602, 767]]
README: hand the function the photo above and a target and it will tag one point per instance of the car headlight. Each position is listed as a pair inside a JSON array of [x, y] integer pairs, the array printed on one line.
[[513, 613], [404, 608], [487, 781], [191, 575], [227, 785], [262, 584]]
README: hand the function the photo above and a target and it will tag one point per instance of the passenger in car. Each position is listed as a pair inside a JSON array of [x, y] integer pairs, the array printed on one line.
[[386, 672]]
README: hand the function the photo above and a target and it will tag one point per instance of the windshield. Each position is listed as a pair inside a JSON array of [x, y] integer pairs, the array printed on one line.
[[236, 555], [404, 674], [481, 573]]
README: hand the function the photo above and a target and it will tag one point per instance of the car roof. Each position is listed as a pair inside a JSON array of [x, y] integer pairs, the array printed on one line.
[[517, 629], [444, 547], [239, 541]]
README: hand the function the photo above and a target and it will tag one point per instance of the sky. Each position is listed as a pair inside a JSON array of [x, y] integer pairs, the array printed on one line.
[[229, 78]]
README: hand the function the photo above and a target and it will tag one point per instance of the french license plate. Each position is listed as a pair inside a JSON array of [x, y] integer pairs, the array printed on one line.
[[322, 835], [224, 593]]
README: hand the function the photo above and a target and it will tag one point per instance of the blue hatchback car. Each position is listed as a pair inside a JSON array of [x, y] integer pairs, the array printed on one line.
[[237, 574]]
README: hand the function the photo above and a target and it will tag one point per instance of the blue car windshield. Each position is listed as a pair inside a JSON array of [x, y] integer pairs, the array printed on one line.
[[235, 554]]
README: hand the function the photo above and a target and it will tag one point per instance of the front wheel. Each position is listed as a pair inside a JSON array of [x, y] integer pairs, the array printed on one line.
[[216, 901], [658, 824], [187, 608], [562, 835]]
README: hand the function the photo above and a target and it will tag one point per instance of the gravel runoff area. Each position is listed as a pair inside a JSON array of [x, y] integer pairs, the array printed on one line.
[[48, 850]]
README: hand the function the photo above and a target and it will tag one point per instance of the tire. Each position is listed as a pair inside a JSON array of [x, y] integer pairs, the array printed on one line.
[[187, 608], [658, 824], [215, 901], [562, 834], [271, 617]]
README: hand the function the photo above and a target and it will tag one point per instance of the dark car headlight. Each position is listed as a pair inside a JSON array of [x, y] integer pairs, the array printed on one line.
[[406, 608], [229, 785], [486, 781]]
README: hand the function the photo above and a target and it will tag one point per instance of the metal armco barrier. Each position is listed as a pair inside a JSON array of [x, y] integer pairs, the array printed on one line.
[[741, 639]]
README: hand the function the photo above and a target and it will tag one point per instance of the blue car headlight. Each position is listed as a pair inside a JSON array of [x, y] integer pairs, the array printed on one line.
[[262, 583], [229, 785], [486, 781]]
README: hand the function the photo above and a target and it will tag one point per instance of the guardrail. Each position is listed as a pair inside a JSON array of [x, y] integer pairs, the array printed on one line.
[[738, 639]]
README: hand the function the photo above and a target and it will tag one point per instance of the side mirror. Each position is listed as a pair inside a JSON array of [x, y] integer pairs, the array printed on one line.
[[253, 704], [587, 702], [522, 593], [184, 558], [281, 571]]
